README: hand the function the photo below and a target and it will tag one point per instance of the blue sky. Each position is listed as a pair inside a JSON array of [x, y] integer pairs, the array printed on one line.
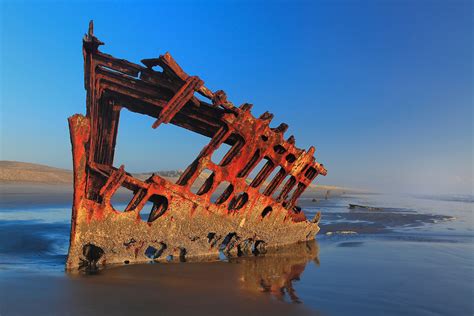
[[383, 89]]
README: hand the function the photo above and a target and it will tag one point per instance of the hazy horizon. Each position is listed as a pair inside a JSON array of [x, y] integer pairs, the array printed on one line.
[[383, 90]]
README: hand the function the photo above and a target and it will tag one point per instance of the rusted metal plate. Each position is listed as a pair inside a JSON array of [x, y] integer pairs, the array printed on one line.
[[182, 225]]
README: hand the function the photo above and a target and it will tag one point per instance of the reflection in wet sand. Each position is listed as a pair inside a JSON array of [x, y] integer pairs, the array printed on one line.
[[275, 271], [237, 286]]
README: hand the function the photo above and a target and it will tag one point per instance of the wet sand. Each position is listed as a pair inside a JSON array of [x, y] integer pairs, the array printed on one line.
[[408, 256], [163, 289]]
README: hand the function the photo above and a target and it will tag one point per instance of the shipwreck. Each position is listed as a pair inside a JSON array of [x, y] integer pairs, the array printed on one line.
[[245, 218]]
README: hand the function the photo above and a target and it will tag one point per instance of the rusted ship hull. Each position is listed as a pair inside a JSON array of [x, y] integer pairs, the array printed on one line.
[[244, 219]]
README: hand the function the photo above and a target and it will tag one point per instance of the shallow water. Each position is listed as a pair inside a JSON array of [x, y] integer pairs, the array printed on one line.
[[412, 255]]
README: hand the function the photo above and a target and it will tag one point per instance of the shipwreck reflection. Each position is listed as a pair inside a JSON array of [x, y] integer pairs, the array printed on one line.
[[275, 271], [272, 272]]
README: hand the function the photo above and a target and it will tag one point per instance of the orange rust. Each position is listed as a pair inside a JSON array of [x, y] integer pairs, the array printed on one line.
[[168, 95]]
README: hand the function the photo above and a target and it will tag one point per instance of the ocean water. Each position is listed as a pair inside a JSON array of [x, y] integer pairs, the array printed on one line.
[[411, 255]]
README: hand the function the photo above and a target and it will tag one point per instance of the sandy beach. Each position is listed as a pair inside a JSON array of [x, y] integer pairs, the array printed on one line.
[[369, 261]]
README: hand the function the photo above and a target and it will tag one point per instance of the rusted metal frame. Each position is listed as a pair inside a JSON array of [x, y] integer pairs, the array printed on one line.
[[216, 141], [303, 162], [157, 189], [129, 181], [137, 200], [276, 181], [108, 88], [137, 88], [251, 164], [104, 117], [297, 177], [141, 196], [207, 185], [178, 101], [263, 173], [175, 73], [102, 155], [117, 64], [280, 127], [91, 99], [288, 170], [238, 202], [211, 178], [151, 192], [279, 159], [196, 124], [206, 164], [296, 217], [277, 128], [296, 194], [236, 186], [195, 168], [187, 118], [158, 210], [169, 65], [104, 146], [249, 159], [286, 189], [225, 194], [233, 151], [147, 196], [79, 127], [310, 173], [110, 65], [113, 84], [320, 168], [214, 179], [124, 82], [143, 190], [257, 148], [126, 78], [290, 149], [114, 181], [93, 109], [184, 118]]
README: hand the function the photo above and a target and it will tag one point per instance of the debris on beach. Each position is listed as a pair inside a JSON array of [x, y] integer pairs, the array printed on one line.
[[244, 219], [341, 232], [376, 222], [370, 208]]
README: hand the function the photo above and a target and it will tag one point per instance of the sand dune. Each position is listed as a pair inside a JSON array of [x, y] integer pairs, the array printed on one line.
[[23, 172], [15, 172]]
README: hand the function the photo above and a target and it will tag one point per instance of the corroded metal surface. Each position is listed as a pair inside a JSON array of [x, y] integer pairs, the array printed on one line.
[[245, 218]]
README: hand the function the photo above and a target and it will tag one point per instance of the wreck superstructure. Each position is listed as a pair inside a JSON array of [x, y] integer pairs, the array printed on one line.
[[245, 217]]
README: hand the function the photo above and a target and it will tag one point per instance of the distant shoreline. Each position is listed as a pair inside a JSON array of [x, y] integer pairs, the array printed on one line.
[[16, 174]]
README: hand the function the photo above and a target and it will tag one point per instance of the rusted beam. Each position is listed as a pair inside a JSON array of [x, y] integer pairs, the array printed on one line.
[[178, 101]]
